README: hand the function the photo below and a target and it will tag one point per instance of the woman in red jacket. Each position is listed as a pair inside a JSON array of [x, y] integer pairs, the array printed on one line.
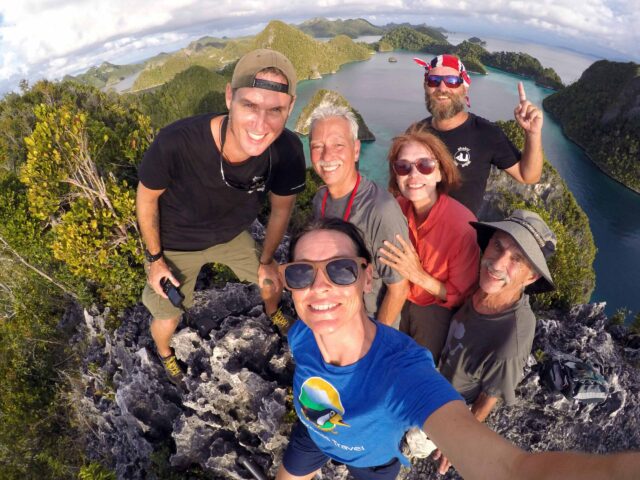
[[442, 260]]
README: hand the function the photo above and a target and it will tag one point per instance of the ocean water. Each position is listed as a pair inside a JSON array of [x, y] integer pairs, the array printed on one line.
[[567, 63], [390, 97]]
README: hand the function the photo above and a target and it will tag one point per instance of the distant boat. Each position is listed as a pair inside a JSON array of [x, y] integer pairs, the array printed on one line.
[[393, 60]]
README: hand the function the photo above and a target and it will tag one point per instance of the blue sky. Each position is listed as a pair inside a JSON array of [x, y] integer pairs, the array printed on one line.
[[51, 38]]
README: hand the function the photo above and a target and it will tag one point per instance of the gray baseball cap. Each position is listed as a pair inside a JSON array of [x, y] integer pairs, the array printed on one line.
[[244, 75], [533, 236]]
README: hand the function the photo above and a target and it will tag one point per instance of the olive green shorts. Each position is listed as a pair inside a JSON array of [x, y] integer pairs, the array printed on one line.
[[239, 254]]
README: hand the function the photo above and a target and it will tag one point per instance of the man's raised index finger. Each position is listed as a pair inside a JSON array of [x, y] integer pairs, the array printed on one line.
[[523, 96]]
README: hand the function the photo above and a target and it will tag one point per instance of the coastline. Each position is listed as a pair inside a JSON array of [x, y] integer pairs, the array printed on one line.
[[586, 153]]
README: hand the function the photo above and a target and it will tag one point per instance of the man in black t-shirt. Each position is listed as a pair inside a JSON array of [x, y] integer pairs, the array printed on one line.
[[474, 142], [201, 185]]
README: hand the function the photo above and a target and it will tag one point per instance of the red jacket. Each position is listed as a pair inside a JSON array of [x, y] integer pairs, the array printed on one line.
[[448, 250]]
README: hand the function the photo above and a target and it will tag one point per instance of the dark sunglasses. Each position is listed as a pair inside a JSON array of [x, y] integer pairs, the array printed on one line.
[[258, 185], [425, 166], [339, 271], [451, 81]]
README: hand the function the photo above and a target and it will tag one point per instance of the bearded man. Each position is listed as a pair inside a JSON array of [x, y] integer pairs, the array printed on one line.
[[475, 142]]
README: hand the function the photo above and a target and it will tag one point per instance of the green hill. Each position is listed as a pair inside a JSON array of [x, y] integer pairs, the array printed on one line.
[[523, 64], [310, 57], [437, 33], [105, 75], [604, 117], [407, 38], [196, 90], [322, 27]]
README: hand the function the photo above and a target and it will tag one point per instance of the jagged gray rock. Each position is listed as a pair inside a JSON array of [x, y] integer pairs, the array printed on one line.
[[542, 420], [236, 401]]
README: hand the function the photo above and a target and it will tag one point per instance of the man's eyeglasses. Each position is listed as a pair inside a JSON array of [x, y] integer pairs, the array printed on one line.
[[425, 166], [451, 81], [340, 272], [257, 184]]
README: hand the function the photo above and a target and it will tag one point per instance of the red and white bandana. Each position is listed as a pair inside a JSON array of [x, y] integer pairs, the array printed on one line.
[[446, 61]]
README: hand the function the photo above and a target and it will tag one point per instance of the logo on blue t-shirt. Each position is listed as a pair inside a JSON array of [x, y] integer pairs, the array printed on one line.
[[321, 404], [462, 156]]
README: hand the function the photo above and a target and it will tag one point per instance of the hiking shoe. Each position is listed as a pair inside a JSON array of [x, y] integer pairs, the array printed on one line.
[[172, 368], [281, 320]]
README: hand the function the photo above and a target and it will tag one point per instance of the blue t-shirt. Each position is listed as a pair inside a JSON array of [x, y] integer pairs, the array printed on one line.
[[357, 414]]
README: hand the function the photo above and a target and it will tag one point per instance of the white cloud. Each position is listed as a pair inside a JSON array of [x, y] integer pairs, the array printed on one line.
[[50, 38]]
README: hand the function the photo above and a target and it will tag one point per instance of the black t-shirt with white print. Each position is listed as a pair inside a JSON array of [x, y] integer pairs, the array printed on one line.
[[475, 146], [197, 209]]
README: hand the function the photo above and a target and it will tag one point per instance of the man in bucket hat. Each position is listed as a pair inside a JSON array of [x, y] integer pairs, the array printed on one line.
[[491, 335], [475, 142], [202, 183]]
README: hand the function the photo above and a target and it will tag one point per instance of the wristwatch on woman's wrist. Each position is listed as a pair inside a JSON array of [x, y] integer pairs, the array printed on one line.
[[150, 257]]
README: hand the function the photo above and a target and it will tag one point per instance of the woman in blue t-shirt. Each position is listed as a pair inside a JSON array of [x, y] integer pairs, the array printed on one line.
[[359, 385]]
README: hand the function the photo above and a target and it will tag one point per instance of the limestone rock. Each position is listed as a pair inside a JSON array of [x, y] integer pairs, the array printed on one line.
[[542, 420]]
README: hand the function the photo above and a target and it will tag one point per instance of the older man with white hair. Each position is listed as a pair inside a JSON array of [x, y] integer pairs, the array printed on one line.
[[335, 150]]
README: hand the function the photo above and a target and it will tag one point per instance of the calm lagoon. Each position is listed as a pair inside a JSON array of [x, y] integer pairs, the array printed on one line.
[[390, 97]]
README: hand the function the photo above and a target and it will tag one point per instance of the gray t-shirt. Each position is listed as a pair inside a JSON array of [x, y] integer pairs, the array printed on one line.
[[377, 214], [486, 353]]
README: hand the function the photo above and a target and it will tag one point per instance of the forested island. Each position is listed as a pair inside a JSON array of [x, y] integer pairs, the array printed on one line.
[[473, 54], [604, 117]]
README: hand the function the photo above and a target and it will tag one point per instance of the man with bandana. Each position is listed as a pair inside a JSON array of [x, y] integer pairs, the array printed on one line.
[[474, 142]]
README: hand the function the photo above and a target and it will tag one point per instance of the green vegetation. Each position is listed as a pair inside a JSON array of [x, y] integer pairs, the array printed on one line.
[[303, 123], [159, 72], [37, 437], [477, 40], [303, 211], [310, 57], [321, 27], [194, 91], [95, 471], [474, 56], [619, 316], [106, 75], [523, 64], [635, 324], [572, 264], [437, 33], [67, 202], [67, 230], [407, 38], [603, 117]]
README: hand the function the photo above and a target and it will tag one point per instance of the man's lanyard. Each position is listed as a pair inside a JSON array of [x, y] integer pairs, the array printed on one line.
[[347, 211]]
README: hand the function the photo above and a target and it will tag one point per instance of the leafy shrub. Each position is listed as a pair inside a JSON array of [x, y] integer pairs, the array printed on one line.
[[619, 316], [95, 471], [36, 436], [87, 208]]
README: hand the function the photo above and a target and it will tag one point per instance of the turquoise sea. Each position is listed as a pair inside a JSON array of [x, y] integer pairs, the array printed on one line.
[[390, 97]]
